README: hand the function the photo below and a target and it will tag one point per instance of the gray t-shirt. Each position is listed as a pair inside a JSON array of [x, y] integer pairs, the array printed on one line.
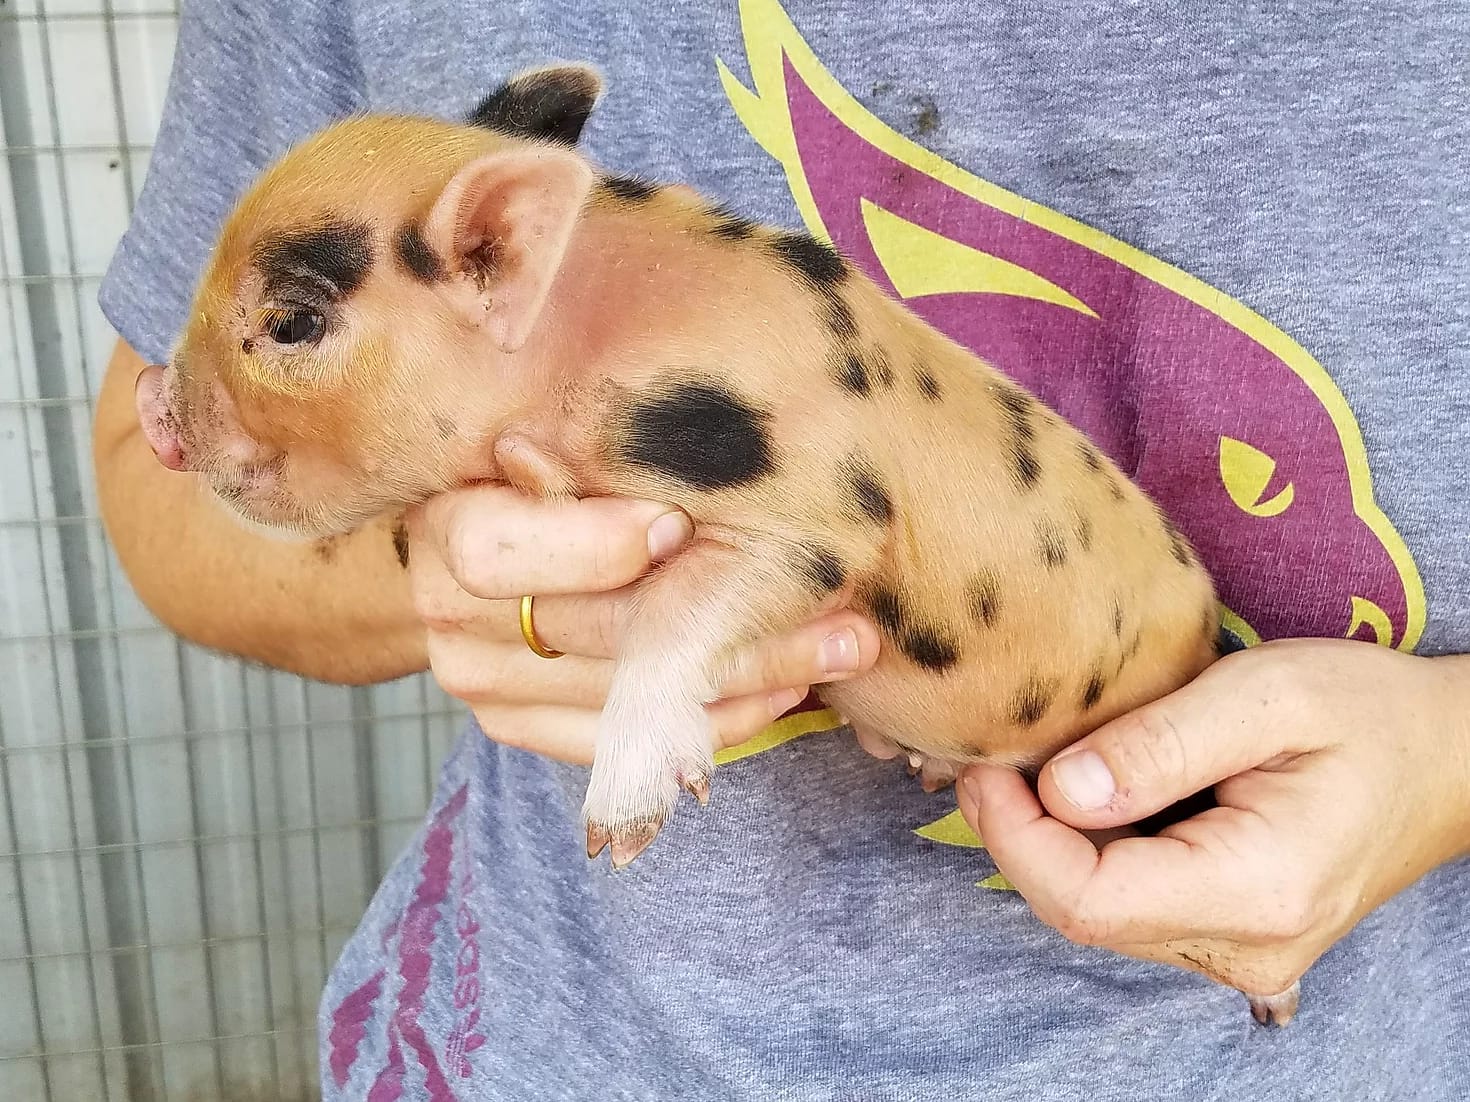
[[1231, 241]]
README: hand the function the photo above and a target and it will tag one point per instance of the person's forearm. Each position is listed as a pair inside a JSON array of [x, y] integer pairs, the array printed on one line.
[[1456, 750], [339, 612]]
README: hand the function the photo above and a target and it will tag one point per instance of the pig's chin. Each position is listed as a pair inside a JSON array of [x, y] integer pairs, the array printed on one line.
[[282, 516]]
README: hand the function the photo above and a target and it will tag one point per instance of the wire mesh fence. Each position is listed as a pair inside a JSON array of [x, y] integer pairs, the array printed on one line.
[[185, 840]]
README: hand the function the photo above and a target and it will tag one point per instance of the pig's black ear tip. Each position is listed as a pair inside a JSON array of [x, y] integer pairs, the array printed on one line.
[[551, 103]]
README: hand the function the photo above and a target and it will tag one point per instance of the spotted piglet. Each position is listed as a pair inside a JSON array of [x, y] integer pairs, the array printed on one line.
[[402, 305]]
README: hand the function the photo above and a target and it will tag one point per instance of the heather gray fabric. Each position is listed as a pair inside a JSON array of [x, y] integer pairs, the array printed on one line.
[[798, 940]]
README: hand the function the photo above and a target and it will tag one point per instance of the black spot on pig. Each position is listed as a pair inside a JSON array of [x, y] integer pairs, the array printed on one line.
[[852, 374], [414, 254], [1018, 410], [551, 104], [1084, 531], [928, 384], [630, 189], [922, 644], [1178, 545], [821, 567], [1117, 618], [888, 612], [882, 368], [1090, 456], [839, 319], [700, 434], [729, 226], [817, 263], [1032, 702], [868, 494], [1024, 464], [1053, 547], [983, 595], [317, 266], [1093, 690], [400, 543], [929, 650]]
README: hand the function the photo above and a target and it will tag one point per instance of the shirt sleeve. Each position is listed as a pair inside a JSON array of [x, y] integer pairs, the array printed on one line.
[[249, 79]]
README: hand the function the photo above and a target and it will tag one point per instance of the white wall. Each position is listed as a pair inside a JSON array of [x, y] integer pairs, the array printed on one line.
[[185, 841]]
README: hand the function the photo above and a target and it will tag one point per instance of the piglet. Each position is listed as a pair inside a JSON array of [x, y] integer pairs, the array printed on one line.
[[402, 305]]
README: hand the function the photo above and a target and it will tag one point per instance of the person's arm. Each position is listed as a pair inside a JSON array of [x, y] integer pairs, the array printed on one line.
[[341, 612]]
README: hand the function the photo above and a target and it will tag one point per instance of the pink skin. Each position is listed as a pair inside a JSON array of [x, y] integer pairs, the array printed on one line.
[[159, 427]]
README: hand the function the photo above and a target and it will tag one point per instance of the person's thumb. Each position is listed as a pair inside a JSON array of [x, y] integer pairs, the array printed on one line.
[[1157, 755]]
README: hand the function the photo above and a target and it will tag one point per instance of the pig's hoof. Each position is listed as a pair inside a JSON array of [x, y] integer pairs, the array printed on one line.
[[697, 785], [627, 840], [1276, 1009], [597, 839]]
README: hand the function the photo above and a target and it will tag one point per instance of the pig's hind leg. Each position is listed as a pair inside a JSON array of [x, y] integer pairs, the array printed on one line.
[[686, 621]]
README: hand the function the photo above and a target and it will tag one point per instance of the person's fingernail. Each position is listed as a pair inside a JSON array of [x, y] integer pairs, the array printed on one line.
[[840, 652], [1084, 780], [667, 534], [783, 701]]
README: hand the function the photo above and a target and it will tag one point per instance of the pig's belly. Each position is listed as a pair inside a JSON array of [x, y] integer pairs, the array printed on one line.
[[961, 717]]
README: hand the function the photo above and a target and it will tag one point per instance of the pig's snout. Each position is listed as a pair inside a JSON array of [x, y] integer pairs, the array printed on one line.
[[157, 418]]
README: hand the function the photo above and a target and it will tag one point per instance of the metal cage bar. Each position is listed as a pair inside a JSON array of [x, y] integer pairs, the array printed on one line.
[[185, 840]]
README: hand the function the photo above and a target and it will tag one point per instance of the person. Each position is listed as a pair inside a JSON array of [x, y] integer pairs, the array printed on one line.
[[826, 929]]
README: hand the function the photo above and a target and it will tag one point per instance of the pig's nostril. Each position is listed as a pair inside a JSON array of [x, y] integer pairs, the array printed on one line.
[[157, 418]]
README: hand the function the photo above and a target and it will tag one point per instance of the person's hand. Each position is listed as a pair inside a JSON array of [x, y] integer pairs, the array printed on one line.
[[474, 553], [1341, 773]]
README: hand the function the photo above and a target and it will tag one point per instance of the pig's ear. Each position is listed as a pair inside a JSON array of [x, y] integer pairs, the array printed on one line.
[[504, 222], [551, 103]]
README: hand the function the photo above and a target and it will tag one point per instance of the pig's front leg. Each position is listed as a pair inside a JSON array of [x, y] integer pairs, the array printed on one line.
[[654, 736]]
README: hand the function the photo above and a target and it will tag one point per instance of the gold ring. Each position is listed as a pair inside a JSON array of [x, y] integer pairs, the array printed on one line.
[[528, 632]]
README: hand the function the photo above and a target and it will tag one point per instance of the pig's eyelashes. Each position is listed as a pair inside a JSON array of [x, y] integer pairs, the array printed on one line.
[[286, 326]]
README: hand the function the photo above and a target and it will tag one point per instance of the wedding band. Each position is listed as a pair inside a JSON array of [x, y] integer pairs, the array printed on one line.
[[528, 632]]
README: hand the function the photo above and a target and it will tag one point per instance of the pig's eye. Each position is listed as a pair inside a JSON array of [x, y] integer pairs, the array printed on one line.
[[296, 327]]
